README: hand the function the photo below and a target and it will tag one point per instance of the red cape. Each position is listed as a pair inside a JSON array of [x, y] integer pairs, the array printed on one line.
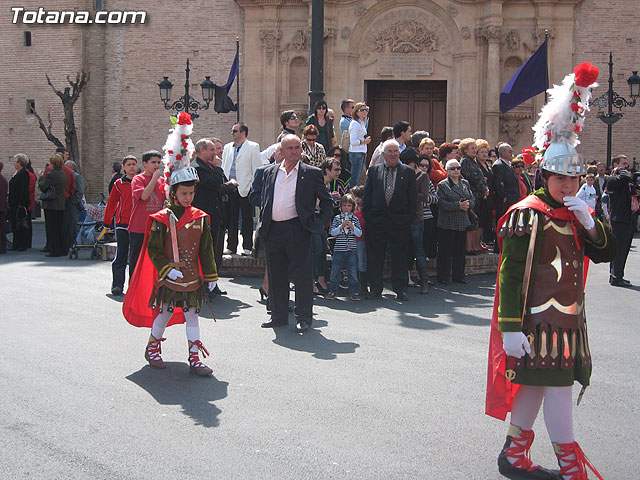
[[500, 391], [135, 307]]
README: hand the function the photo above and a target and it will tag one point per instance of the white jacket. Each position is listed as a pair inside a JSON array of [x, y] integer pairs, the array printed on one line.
[[248, 161]]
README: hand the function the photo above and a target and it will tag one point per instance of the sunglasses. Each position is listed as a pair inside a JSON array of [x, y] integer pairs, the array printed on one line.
[[322, 108], [424, 165], [518, 166], [313, 139], [293, 117], [363, 109], [454, 168], [337, 155], [235, 131]]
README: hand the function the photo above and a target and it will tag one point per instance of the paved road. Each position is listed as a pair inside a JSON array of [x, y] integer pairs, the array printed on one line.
[[378, 390]]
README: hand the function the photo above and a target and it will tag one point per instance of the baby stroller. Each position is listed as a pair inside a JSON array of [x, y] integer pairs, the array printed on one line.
[[91, 233]]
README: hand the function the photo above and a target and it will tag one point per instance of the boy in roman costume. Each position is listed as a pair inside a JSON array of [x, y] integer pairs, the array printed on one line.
[[539, 345], [168, 284]]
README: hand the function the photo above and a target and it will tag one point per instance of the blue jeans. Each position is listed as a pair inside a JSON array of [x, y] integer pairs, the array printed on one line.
[[417, 234], [361, 248], [351, 260], [357, 164]]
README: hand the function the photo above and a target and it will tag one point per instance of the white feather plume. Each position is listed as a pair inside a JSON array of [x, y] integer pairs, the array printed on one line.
[[177, 150]]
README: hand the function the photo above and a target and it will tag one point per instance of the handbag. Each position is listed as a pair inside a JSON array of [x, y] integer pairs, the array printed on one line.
[[48, 193]]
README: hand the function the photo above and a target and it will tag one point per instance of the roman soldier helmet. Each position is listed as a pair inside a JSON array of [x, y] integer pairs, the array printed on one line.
[[178, 150], [562, 119]]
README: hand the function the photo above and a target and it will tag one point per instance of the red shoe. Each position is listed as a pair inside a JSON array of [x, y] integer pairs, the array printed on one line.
[[517, 448], [153, 351], [573, 462], [195, 365]]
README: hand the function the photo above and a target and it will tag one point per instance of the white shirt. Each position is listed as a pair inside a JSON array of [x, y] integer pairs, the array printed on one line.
[[284, 194], [588, 195]]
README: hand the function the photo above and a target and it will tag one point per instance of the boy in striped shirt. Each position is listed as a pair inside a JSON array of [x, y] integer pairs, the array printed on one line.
[[345, 227]]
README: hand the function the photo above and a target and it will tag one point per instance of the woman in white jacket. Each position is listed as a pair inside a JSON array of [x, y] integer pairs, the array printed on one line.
[[358, 141]]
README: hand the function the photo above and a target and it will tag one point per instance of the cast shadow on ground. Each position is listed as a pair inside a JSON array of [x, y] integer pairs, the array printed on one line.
[[224, 308], [312, 341], [174, 385]]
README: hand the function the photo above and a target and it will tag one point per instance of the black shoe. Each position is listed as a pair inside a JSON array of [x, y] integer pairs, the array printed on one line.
[[402, 297], [264, 296], [443, 282], [274, 323], [460, 281], [302, 326], [375, 295], [619, 282], [116, 290], [321, 290], [514, 473], [51, 254], [217, 291], [43, 250]]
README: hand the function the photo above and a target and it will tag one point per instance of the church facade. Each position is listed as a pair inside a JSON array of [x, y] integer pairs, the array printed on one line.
[[439, 64]]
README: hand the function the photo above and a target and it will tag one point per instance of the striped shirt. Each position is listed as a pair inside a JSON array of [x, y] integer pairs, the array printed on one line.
[[345, 239]]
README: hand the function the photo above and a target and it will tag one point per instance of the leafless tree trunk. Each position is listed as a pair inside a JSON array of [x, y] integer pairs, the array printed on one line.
[[69, 96]]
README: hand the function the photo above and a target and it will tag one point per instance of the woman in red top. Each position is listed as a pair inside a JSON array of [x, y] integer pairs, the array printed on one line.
[[119, 206]]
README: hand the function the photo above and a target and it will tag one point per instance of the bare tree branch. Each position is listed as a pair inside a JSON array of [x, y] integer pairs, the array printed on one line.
[[47, 130]]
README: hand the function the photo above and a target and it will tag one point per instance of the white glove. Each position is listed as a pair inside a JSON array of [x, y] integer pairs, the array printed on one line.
[[581, 211], [212, 285], [515, 344], [174, 274]]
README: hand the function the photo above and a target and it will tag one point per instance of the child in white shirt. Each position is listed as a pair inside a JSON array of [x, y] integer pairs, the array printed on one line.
[[587, 191]]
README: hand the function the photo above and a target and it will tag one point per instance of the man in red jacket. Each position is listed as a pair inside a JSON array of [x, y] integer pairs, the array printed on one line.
[[119, 204]]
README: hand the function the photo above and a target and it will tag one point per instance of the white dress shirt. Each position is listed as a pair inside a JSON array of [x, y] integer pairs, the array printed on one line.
[[284, 194]]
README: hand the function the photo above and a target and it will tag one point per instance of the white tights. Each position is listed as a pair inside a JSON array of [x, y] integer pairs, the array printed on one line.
[[557, 410], [191, 321]]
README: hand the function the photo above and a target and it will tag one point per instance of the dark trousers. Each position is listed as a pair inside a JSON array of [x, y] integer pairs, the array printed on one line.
[[30, 231], [20, 234], [288, 245], [319, 248], [119, 263], [54, 225], [217, 235], [624, 235], [70, 224], [3, 235], [451, 254], [376, 239], [135, 245], [430, 238], [235, 205]]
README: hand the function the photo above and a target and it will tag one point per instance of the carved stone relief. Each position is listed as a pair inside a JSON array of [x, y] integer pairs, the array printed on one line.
[[512, 40], [270, 41], [299, 41], [465, 32], [512, 127], [345, 33], [406, 37], [538, 34], [359, 10], [330, 35], [453, 11], [491, 34]]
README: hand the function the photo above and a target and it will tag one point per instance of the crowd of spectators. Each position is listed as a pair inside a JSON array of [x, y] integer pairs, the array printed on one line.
[[405, 200]]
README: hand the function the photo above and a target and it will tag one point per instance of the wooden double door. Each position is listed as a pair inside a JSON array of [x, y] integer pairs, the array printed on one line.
[[422, 103]]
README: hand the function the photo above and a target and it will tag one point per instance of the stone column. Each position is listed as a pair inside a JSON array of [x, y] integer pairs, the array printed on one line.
[[493, 35]]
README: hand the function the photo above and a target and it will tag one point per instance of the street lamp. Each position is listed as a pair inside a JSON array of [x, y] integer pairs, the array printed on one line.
[[187, 103], [611, 99]]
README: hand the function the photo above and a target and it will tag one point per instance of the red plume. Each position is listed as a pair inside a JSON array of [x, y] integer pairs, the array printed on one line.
[[586, 74], [529, 155]]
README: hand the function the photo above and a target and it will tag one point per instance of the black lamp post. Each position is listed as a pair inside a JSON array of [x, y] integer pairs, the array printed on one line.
[[316, 92], [611, 99], [187, 103]]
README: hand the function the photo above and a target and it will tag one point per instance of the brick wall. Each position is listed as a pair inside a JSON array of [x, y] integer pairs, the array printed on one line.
[[602, 27], [56, 50]]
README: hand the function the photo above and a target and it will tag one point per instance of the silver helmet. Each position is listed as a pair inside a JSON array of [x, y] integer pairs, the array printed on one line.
[[562, 158], [182, 175]]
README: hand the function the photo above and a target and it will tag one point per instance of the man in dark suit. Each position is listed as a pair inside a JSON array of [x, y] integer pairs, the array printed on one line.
[[600, 183], [212, 185], [291, 191], [389, 207], [505, 180]]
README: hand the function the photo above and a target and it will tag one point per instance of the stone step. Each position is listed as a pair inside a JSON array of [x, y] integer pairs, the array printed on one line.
[[241, 266]]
